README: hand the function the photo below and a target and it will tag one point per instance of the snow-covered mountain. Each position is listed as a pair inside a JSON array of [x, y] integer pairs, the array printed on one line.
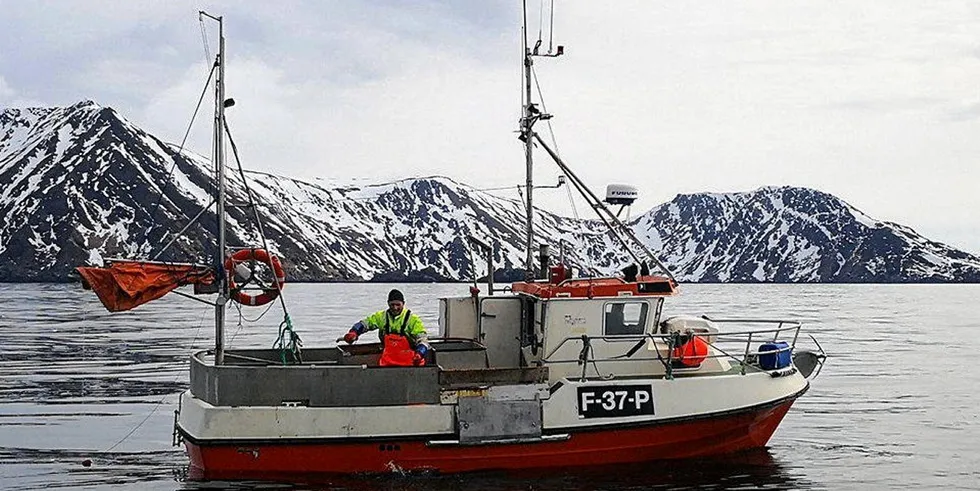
[[792, 234], [80, 183]]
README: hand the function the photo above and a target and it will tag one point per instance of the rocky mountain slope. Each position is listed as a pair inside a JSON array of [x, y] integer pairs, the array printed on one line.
[[79, 184]]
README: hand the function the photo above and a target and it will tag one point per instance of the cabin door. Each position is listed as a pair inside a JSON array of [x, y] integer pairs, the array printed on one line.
[[500, 330]]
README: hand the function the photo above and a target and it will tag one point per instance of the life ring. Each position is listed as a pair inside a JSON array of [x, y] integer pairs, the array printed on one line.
[[260, 255]]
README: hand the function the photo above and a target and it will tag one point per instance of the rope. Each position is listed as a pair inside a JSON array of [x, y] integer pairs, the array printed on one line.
[[241, 316], [583, 359], [291, 346]]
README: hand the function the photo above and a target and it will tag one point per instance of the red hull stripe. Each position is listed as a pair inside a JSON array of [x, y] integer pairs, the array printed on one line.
[[691, 438]]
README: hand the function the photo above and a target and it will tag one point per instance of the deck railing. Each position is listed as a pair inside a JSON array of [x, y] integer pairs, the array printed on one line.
[[735, 345]]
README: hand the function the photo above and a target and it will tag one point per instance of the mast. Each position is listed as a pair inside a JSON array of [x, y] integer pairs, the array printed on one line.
[[530, 114], [218, 157], [219, 149], [526, 123]]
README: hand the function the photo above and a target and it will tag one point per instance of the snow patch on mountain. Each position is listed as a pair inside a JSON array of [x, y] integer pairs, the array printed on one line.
[[80, 183]]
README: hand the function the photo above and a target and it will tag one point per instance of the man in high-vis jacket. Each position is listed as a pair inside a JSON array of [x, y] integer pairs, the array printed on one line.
[[402, 334]]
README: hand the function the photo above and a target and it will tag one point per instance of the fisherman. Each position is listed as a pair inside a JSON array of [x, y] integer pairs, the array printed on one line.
[[402, 335]]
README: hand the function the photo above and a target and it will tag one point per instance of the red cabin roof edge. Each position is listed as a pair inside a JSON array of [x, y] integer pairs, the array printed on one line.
[[656, 286]]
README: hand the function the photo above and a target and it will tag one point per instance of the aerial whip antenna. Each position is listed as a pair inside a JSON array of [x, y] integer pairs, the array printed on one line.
[[551, 27]]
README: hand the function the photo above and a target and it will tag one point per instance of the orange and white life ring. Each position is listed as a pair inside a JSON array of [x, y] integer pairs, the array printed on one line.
[[260, 255]]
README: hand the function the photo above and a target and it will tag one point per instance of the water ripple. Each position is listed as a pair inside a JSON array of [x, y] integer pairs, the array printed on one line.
[[894, 408]]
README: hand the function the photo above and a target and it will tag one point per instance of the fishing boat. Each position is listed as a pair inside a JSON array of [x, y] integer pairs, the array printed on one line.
[[552, 371]]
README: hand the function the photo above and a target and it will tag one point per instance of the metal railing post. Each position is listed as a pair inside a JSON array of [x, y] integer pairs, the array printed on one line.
[[670, 355], [745, 357], [584, 355]]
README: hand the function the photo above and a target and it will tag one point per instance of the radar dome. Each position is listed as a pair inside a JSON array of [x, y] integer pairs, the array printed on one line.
[[621, 194]]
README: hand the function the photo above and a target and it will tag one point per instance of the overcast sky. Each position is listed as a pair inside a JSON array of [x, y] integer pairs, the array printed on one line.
[[875, 102]]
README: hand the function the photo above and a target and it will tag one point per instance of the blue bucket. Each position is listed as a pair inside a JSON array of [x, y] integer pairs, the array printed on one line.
[[770, 358]]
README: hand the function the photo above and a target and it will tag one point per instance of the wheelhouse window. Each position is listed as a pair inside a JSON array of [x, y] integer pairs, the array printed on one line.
[[625, 318]]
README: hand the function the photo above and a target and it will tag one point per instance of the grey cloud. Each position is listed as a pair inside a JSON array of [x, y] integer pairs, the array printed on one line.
[[123, 50]]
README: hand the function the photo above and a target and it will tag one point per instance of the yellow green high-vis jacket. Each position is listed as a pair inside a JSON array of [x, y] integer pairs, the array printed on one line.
[[407, 324]]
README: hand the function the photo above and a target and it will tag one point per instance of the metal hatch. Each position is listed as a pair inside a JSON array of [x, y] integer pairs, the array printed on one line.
[[500, 330]]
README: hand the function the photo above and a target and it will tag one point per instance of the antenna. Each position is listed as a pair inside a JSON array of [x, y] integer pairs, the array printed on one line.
[[530, 114]]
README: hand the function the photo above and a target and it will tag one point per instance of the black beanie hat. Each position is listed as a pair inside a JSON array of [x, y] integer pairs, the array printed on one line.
[[394, 295]]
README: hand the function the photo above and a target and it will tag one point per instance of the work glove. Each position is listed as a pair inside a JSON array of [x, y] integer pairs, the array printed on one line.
[[419, 357], [351, 336]]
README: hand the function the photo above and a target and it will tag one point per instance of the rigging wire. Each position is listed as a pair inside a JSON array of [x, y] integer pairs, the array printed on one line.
[[159, 402], [622, 233], [170, 173], [294, 342], [544, 107], [597, 207], [407, 190], [204, 38], [180, 234], [501, 188], [554, 141], [251, 199], [192, 297], [177, 155], [183, 142], [523, 201], [540, 23]]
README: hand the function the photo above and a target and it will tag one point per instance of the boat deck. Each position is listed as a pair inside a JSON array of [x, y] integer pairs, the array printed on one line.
[[348, 376]]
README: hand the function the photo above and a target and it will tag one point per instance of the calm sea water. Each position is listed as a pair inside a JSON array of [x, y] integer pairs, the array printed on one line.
[[896, 406]]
